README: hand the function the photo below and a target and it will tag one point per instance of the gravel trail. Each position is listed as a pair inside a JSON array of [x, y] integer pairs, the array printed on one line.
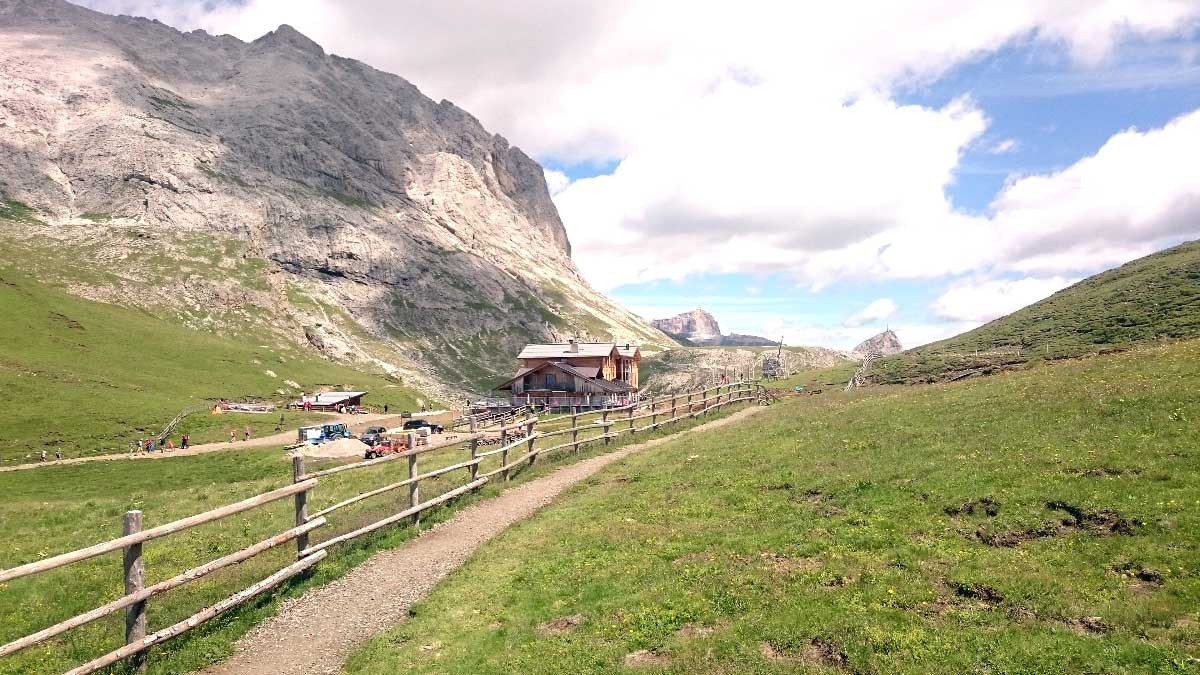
[[317, 631]]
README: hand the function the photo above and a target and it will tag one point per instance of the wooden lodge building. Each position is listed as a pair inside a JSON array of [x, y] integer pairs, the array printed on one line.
[[575, 374]]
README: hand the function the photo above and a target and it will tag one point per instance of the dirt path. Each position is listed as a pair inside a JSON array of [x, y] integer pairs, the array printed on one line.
[[317, 631], [357, 424]]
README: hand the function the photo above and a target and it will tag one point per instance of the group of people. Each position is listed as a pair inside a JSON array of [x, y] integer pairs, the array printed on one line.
[[57, 455], [150, 445], [245, 434]]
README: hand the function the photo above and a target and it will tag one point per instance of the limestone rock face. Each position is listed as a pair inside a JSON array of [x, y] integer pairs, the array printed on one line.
[[883, 344], [697, 326], [273, 183]]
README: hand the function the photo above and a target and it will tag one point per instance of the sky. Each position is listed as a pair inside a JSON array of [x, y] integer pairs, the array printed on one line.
[[812, 171]]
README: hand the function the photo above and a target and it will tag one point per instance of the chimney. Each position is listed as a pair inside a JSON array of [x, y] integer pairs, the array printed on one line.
[[574, 348]]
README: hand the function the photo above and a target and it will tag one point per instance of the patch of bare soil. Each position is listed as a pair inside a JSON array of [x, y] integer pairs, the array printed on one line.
[[1100, 523], [818, 652], [693, 630], [983, 505], [981, 592], [563, 624], [788, 565], [644, 657], [1107, 471], [1089, 624]]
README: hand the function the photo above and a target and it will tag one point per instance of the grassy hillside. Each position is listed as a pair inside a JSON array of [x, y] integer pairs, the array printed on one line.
[[61, 508], [1045, 521], [87, 377], [1150, 298]]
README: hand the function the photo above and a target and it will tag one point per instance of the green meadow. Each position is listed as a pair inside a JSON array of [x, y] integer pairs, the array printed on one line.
[[1044, 521]]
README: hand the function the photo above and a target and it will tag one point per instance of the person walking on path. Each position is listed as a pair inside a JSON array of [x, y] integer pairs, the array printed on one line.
[[184, 441], [58, 455], [233, 435], [247, 432], [43, 455], [385, 407]]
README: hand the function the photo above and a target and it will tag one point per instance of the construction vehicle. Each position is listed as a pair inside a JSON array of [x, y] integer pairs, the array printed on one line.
[[386, 446], [325, 432]]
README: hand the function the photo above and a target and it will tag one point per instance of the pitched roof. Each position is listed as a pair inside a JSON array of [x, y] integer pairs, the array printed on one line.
[[335, 397], [587, 373], [628, 350], [555, 351]]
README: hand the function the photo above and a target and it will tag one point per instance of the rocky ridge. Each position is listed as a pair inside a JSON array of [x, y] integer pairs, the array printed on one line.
[[272, 188], [698, 328], [883, 344]]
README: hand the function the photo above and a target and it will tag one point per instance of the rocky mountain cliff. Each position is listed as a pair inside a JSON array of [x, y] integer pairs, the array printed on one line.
[[696, 326], [270, 188], [699, 328], [885, 344]]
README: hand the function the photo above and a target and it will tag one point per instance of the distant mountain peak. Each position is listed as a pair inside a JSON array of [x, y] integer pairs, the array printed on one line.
[[885, 344], [286, 35], [698, 327]]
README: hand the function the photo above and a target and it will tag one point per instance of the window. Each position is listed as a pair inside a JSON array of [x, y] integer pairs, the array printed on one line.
[[549, 380]]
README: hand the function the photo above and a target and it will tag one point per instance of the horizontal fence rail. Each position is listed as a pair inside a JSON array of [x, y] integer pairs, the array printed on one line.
[[520, 443]]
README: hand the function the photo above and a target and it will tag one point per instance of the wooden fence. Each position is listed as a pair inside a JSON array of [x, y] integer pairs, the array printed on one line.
[[585, 428]]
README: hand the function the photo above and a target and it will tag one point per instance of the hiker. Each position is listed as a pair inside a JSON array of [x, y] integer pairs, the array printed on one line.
[[385, 408], [58, 455], [307, 406], [43, 455], [184, 441], [247, 433], [170, 444], [233, 435], [150, 446]]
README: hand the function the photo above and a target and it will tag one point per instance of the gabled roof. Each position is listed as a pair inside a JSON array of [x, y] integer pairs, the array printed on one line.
[[335, 397], [588, 374], [558, 351], [629, 351]]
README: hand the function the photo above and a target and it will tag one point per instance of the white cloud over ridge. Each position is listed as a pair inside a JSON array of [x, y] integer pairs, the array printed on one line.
[[880, 309], [766, 136], [980, 302]]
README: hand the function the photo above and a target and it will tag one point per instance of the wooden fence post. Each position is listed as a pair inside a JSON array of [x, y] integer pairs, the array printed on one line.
[[653, 413], [474, 452], [414, 491], [604, 421], [630, 415], [135, 580], [529, 434], [689, 404], [575, 429], [504, 452], [301, 501], [674, 408]]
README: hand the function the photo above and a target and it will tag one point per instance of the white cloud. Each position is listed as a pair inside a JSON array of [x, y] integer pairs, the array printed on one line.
[[1005, 147], [876, 311], [980, 302], [556, 181], [766, 136], [802, 333]]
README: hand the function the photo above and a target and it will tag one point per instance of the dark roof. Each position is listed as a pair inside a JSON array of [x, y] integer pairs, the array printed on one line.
[[587, 373]]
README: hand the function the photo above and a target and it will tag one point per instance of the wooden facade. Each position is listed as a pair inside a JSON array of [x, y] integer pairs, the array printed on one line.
[[586, 375]]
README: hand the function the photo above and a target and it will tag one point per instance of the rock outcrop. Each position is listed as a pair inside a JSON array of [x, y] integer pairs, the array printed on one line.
[[696, 326], [700, 329], [271, 187], [883, 344]]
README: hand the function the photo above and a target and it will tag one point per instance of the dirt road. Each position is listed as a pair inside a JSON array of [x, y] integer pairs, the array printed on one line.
[[356, 423], [317, 631]]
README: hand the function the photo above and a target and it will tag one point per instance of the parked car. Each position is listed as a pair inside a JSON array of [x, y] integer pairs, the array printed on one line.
[[413, 425], [372, 435]]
